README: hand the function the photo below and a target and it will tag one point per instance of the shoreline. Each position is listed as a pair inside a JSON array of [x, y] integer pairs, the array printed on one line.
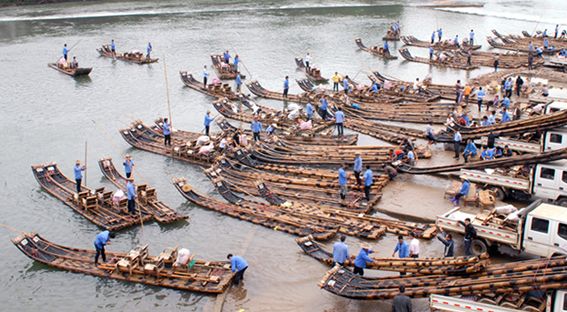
[[7, 4]]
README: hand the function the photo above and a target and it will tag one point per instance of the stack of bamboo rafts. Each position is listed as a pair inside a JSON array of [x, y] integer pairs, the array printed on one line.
[[521, 276], [452, 265], [136, 266], [522, 43]]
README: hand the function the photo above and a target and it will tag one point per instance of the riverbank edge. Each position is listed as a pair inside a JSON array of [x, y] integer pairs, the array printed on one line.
[[5, 4]]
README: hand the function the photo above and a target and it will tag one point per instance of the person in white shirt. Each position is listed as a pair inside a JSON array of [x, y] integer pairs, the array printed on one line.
[[414, 246], [222, 145]]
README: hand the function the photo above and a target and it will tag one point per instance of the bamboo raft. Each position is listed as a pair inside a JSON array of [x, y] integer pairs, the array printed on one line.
[[73, 72], [215, 90], [448, 62], [415, 116], [266, 216], [413, 41], [96, 206], [137, 58], [450, 266], [406, 94], [519, 276], [391, 34], [537, 41], [526, 159], [507, 60], [146, 197], [259, 91], [444, 91], [375, 50], [224, 72], [313, 73], [137, 266]]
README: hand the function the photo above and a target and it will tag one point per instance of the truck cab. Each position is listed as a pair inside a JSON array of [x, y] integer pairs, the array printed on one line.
[[545, 231], [550, 182]]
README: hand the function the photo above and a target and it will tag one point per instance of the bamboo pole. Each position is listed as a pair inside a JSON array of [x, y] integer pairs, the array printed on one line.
[[86, 168], [236, 54], [167, 89]]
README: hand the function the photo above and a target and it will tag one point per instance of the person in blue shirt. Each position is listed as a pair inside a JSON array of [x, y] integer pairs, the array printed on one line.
[[340, 252], [497, 151], [131, 190], [238, 82], [505, 116], [456, 41], [339, 117], [345, 84], [508, 87], [544, 33], [205, 75], [309, 108], [463, 192], [324, 102], [113, 48], [102, 239], [556, 31], [149, 49], [470, 150], [343, 180], [367, 182], [471, 37], [78, 174], [545, 43], [74, 63], [431, 52], [236, 61], [226, 57], [492, 118], [357, 168], [402, 248], [457, 144], [271, 129], [505, 102], [439, 34], [531, 46], [285, 86], [256, 127], [480, 97], [208, 120], [239, 265], [539, 51], [166, 132], [375, 88], [128, 165], [386, 48], [362, 258], [65, 51], [433, 37], [485, 121], [486, 154]]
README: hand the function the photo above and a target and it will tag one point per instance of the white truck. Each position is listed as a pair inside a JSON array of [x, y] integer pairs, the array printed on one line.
[[541, 229], [546, 180], [556, 302]]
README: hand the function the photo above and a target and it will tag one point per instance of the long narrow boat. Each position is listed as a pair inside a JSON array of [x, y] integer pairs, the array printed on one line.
[[448, 62], [517, 276], [266, 216], [137, 266], [146, 196], [537, 41], [73, 72], [137, 58], [506, 60], [96, 206], [224, 70], [450, 265], [311, 72], [375, 49], [444, 91], [392, 35], [413, 41], [215, 90], [258, 90]]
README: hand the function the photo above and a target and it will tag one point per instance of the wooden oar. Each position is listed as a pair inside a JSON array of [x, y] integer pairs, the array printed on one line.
[[240, 60]]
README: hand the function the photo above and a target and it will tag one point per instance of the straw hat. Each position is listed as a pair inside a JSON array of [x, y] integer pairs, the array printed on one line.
[[78, 162], [356, 153], [127, 156], [186, 188], [366, 246]]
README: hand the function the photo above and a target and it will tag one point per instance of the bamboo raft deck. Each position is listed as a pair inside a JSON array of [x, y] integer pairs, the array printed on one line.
[[507, 60], [313, 73], [416, 116], [224, 72], [362, 96], [214, 90], [444, 91], [73, 72], [147, 197], [519, 276], [526, 159], [444, 45], [265, 216], [259, 91], [450, 265], [137, 266], [408, 95], [449, 62], [126, 57], [96, 206], [375, 50]]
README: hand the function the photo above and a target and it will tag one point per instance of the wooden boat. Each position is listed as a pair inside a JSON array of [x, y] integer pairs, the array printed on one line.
[[375, 49], [131, 57], [96, 206], [73, 72], [216, 90], [147, 197], [507, 60], [537, 40], [444, 91], [444, 45], [526, 159], [517, 276], [311, 72], [451, 265], [224, 70], [448, 62], [392, 35], [267, 216], [258, 90], [438, 117], [137, 266]]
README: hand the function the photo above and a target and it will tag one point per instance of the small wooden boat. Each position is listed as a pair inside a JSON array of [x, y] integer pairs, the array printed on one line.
[[392, 35], [132, 57], [224, 70], [147, 197], [446, 92], [137, 266], [216, 90], [97, 206], [375, 49], [266, 216], [73, 72], [448, 61], [444, 45], [311, 72], [451, 265]]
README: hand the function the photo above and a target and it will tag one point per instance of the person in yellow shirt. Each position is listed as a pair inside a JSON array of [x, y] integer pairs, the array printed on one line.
[[336, 79], [467, 93]]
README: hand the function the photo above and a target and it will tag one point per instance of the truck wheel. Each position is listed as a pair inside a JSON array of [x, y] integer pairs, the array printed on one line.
[[562, 202], [498, 193], [478, 247]]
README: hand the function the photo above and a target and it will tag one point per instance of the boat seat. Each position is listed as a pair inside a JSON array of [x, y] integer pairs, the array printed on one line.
[[91, 202], [105, 197], [184, 267], [123, 205], [486, 199], [140, 252], [452, 190], [472, 196], [79, 197], [169, 254], [141, 187], [513, 301], [154, 268], [534, 304], [128, 263], [150, 194]]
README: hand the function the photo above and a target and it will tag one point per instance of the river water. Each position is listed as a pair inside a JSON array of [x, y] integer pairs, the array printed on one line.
[[47, 116]]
